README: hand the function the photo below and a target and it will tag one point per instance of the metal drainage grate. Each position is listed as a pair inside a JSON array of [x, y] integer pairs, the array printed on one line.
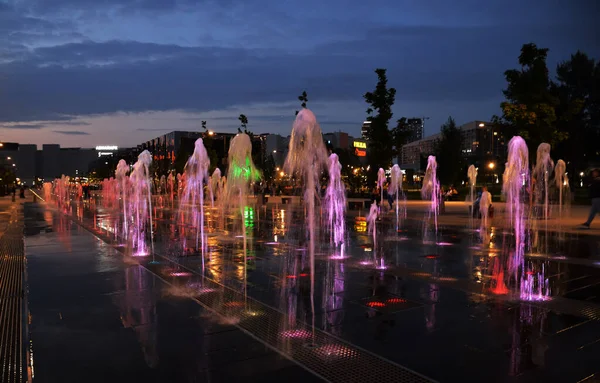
[[572, 307], [13, 359]]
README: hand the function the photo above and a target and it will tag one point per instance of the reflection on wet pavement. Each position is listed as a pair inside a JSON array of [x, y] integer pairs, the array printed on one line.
[[431, 310]]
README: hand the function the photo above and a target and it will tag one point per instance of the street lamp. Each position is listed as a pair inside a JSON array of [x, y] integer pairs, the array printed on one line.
[[281, 174], [491, 165], [481, 124], [211, 133]]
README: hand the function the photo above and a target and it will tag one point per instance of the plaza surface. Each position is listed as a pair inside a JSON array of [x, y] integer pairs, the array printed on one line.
[[98, 314]]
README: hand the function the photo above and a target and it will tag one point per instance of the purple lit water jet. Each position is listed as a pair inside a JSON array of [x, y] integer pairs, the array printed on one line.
[[192, 201], [541, 173], [381, 179], [141, 204], [335, 202], [306, 159], [431, 189], [395, 189], [372, 228], [123, 187], [514, 189]]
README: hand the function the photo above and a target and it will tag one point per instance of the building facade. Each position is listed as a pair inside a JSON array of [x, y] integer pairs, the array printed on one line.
[[482, 143], [416, 128]]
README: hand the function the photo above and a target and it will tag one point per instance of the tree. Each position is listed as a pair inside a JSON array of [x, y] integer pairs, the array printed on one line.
[[304, 99], [350, 163], [243, 124], [268, 169], [529, 109], [448, 152], [578, 110], [400, 135], [181, 158], [379, 137]]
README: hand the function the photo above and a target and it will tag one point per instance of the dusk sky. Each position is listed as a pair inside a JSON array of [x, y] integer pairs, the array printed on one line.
[[120, 72]]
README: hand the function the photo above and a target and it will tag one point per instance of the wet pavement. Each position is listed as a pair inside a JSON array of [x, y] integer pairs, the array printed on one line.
[[96, 318], [114, 318]]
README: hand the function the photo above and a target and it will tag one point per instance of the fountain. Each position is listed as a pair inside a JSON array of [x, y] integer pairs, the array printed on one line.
[[306, 159], [431, 189], [515, 188], [380, 182], [335, 202], [372, 229], [192, 201], [216, 188], [123, 187], [395, 189], [141, 204], [240, 174], [562, 183], [472, 174], [541, 173]]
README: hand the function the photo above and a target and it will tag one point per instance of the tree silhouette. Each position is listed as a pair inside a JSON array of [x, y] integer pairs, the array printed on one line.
[[304, 99], [448, 152], [379, 137], [243, 124], [578, 110], [529, 109]]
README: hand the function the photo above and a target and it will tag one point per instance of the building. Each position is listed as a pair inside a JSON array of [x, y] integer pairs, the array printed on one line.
[[364, 131], [277, 146], [412, 153], [27, 164], [32, 166], [482, 142], [338, 140], [172, 150], [416, 129]]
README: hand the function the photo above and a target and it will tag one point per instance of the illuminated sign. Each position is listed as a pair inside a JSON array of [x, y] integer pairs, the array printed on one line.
[[360, 153], [100, 154], [98, 148], [358, 144]]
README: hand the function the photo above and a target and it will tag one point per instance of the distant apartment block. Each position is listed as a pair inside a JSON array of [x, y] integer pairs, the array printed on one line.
[[480, 141]]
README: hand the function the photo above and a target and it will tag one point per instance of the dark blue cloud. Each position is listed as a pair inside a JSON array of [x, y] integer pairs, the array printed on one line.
[[23, 126], [72, 132], [446, 58]]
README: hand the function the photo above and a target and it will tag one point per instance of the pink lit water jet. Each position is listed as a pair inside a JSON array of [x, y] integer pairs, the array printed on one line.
[[381, 179], [123, 187], [335, 202], [395, 189], [306, 159], [141, 204], [192, 201], [431, 189], [372, 228]]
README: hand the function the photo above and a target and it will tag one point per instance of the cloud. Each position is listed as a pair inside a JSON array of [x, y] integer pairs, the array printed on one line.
[[68, 123], [53, 71], [72, 132], [23, 126]]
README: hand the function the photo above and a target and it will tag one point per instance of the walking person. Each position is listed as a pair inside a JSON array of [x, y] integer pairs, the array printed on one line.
[[595, 197]]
